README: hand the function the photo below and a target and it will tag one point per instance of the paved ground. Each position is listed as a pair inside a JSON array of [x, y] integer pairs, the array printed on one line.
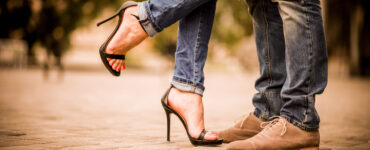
[[92, 110]]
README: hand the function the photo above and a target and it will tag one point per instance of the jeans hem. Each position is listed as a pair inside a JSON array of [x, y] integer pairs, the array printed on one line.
[[300, 125], [261, 116], [187, 86], [144, 20]]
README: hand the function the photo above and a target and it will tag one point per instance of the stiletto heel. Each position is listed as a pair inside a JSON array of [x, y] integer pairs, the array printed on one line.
[[103, 54], [168, 124], [195, 141], [106, 20]]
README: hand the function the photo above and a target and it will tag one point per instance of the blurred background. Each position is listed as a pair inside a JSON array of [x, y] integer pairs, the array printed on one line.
[[52, 77]]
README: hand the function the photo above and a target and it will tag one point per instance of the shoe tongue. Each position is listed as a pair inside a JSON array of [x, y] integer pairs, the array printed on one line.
[[249, 122]]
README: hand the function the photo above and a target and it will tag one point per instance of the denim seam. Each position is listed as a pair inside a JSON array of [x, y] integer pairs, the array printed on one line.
[[305, 113], [267, 41], [265, 115], [309, 34], [309, 49], [196, 47]]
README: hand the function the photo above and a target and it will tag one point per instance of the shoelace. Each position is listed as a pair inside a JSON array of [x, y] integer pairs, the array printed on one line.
[[267, 126]]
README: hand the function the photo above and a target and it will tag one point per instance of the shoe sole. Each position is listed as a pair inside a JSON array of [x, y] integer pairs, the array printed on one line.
[[309, 148]]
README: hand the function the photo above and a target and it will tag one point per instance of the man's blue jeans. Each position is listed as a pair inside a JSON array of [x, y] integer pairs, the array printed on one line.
[[293, 59], [290, 44]]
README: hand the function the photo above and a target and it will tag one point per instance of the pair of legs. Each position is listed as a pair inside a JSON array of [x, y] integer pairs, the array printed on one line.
[[195, 24], [293, 60], [293, 66]]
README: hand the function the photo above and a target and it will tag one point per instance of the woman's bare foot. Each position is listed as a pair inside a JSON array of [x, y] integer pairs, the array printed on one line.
[[129, 34], [190, 107]]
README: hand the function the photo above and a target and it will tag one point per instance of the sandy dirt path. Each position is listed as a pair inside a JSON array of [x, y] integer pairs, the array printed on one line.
[[92, 110]]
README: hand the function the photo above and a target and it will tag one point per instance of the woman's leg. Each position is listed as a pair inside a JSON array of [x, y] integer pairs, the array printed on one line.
[[154, 16], [191, 53], [194, 32]]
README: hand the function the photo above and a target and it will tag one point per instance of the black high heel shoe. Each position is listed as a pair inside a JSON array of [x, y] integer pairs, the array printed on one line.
[[103, 54], [195, 141]]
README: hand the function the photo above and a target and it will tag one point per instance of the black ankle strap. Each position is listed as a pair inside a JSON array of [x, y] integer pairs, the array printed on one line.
[[140, 22], [202, 134], [113, 56]]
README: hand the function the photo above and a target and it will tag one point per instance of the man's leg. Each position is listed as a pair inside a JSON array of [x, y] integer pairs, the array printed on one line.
[[306, 64], [268, 31], [306, 60]]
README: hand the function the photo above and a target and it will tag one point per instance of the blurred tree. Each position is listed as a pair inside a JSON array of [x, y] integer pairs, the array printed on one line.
[[347, 33], [51, 22], [232, 22], [48, 22]]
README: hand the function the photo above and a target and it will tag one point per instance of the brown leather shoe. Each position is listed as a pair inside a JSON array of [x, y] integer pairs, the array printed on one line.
[[279, 134], [244, 129]]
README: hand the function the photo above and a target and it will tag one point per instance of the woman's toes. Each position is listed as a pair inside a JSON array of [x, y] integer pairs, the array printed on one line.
[[111, 62], [119, 64], [123, 67], [114, 66], [210, 136]]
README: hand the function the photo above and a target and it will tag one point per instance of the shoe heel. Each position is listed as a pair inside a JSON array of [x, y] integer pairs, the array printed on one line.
[[168, 124], [110, 18]]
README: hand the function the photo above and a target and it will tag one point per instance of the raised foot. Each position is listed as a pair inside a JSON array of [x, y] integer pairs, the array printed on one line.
[[129, 34]]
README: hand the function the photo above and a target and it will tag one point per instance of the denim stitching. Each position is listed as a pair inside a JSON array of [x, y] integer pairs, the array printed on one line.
[[265, 115], [306, 111], [310, 51], [267, 41], [196, 46]]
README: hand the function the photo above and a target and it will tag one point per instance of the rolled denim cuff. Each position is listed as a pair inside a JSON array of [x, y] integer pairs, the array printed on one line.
[[182, 86], [144, 20]]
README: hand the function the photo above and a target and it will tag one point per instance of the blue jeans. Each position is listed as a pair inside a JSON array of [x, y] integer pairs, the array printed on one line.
[[293, 60], [290, 44], [195, 25]]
